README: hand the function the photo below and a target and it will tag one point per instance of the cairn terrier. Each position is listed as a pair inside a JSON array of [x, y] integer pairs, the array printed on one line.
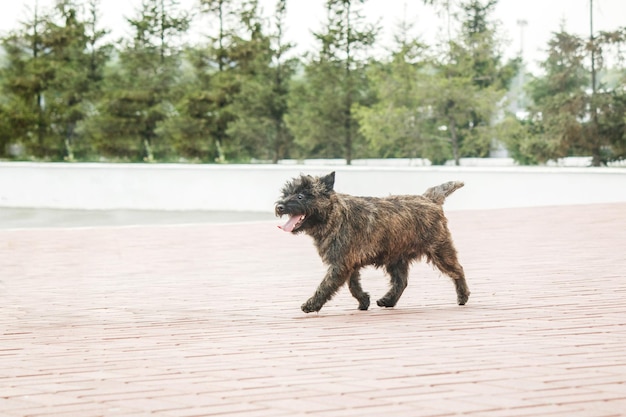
[[352, 232]]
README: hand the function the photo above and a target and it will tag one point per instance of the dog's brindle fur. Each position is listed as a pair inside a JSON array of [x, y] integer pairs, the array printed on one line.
[[352, 232]]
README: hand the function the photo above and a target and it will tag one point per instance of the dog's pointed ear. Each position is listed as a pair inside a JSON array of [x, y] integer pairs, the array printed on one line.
[[328, 181]]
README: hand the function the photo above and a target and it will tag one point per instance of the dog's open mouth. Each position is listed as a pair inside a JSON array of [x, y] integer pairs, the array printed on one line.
[[293, 223]]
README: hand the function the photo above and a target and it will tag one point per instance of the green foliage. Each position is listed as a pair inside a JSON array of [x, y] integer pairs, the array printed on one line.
[[475, 66], [261, 104], [240, 95], [465, 83], [523, 141], [25, 80], [75, 74], [394, 124], [140, 87], [53, 70], [321, 106], [317, 112], [566, 118], [611, 124]]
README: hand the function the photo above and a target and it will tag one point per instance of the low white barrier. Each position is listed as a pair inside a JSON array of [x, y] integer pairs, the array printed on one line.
[[256, 187]]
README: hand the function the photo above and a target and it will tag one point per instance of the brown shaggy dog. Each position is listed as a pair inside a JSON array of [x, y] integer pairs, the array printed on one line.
[[352, 232]]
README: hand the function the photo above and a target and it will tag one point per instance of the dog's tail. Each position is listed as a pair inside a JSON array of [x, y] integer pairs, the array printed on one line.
[[439, 193]]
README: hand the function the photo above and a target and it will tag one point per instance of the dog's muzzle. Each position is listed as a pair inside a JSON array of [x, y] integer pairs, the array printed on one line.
[[295, 220]]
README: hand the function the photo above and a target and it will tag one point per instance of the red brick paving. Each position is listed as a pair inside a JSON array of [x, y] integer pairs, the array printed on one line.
[[205, 321]]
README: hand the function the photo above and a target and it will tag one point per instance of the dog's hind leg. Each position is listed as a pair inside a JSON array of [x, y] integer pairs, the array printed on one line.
[[357, 292], [399, 273], [446, 260], [335, 278]]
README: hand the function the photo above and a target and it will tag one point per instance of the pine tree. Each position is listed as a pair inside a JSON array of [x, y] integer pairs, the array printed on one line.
[[140, 87], [202, 126], [568, 120], [468, 81], [395, 126], [213, 69], [26, 77], [321, 106], [261, 104], [560, 99], [77, 60], [50, 75]]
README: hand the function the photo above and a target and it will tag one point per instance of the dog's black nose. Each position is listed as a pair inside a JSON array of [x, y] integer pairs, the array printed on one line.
[[280, 208]]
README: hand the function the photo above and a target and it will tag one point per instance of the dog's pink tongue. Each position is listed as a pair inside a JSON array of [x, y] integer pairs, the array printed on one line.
[[291, 223]]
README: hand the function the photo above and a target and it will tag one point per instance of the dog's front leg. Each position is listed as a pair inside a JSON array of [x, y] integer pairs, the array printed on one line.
[[357, 292], [334, 279]]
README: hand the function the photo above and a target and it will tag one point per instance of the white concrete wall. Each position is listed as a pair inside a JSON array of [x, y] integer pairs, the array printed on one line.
[[256, 187]]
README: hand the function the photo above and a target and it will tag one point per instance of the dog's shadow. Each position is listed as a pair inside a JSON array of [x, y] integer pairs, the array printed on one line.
[[434, 313]]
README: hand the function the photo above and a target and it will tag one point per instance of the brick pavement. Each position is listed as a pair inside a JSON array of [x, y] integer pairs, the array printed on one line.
[[205, 320]]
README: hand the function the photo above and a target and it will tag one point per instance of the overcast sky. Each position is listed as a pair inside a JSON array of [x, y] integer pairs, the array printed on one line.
[[542, 16]]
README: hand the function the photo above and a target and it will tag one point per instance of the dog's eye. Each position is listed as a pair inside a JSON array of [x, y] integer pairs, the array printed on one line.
[[300, 196]]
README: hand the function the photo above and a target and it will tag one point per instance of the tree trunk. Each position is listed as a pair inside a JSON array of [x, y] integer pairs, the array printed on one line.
[[348, 109], [148, 151], [69, 133], [39, 96], [220, 53], [455, 141], [596, 159], [595, 150], [220, 153]]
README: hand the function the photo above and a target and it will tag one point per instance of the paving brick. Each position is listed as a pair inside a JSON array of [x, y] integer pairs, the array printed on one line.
[[77, 410], [204, 320]]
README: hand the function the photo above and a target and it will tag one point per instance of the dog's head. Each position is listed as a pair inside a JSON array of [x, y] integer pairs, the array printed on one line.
[[306, 200]]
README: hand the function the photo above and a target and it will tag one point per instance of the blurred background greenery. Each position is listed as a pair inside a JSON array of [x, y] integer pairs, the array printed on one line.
[[242, 96]]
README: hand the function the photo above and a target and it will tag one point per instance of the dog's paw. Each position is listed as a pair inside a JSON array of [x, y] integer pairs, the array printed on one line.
[[310, 307], [364, 303], [385, 302], [461, 299]]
